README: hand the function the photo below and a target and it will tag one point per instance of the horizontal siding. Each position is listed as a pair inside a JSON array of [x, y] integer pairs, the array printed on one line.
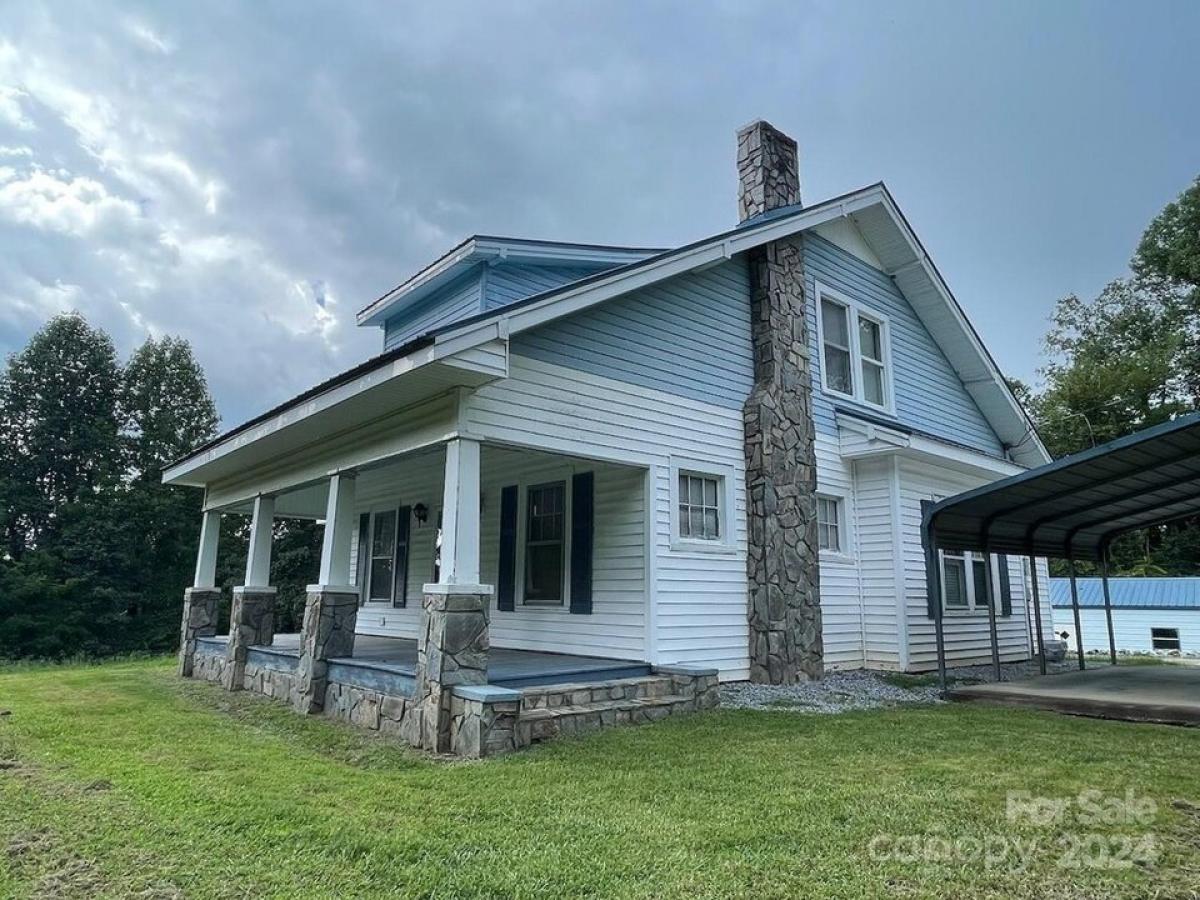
[[967, 636], [929, 395], [841, 596], [700, 597], [456, 301], [510, 282], [1131, 628], [689, 336], [617, 625], [873, 484]]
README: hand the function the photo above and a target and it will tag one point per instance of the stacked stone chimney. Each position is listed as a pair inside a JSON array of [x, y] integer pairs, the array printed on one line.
[[781, 475]]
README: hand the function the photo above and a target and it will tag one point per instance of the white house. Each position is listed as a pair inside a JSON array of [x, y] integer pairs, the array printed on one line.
[[683, 463], [1159, 615]]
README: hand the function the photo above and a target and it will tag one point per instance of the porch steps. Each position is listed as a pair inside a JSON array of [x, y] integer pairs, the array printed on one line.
[[547, 712]]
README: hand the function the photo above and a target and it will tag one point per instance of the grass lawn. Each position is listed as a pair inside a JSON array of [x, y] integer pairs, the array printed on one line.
[[120, 780]]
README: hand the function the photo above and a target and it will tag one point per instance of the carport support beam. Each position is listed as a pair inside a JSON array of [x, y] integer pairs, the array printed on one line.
[[1112, 638], [991, 608], [933, 587], [1037, 614], [1075, 611]]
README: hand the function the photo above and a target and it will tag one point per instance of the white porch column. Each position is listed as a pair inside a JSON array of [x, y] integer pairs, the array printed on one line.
[[258, 560], [339, 522], [331, 607], [460, 514], [206, 557]]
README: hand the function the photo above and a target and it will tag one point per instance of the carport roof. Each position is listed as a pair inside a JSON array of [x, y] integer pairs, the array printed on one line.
[[1074, 506]]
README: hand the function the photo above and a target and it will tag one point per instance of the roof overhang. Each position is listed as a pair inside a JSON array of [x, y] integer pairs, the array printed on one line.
[[490, 250], [354, 401], [876, 215], [863, 438], [1075, 506]]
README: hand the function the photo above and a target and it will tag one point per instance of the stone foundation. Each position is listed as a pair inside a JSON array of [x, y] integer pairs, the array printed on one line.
[[483, 720], [200, 607], [251, 624], [330, 617]]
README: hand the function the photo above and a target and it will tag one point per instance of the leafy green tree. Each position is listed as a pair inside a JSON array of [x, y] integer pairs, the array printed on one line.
[[58, 428], [1170, 247]]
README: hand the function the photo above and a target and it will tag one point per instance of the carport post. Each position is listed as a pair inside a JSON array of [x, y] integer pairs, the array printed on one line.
[[990, 594], [933, 587], [1037, 614], [1075, 610], [1112, 639]]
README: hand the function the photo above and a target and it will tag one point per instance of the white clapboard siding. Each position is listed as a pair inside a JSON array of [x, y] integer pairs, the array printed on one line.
[[617, 625], [877, 547], [841, 593], [966, 635], [699, 607]]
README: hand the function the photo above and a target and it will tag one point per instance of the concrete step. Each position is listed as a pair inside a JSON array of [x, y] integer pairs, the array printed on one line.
[[649, 686], [549, 721]]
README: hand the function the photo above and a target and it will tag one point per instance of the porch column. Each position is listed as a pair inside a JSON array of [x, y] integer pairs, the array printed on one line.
[[331, 607], [252, 614], [201, 600], [452, 647]]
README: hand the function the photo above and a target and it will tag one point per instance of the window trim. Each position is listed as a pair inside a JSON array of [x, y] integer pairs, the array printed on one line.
[[564, 543], [371, 513], [855, 310], [843, 554], [524, 482], [975, 606], [726, 499], [1178, 648]]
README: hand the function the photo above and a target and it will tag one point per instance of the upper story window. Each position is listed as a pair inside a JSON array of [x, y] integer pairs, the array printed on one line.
[[854, 350]]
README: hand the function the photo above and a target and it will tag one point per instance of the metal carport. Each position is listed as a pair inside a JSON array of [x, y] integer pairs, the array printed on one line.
[[1070, 509]]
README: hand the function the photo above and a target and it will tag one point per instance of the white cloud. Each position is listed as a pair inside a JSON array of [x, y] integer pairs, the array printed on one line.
[[12, 109]]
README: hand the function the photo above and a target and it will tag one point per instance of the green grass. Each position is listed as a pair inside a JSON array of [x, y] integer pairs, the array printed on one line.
[[120, 780]]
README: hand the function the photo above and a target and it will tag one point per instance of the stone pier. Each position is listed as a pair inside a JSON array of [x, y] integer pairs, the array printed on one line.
[[330, 615], [251, 624], [452, 651], [200, 607]]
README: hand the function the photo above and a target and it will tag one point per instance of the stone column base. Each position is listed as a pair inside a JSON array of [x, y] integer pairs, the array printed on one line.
[[330, 615], [199, 620], [452, 650], [251, 624]]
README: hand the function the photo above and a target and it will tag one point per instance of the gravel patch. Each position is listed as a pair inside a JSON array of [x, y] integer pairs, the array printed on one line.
[[859, 689]]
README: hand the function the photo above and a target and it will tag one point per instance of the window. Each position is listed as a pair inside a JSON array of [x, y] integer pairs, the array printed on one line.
[[829, 524], [383, 555], [545, 530], [965, 580], [853, 351], [1164, 638], [699, 507], [834, 324]]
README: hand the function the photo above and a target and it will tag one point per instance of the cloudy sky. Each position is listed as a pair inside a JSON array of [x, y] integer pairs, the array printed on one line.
[[249, 175]]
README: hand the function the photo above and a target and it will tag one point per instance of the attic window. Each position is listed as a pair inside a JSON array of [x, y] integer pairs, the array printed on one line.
[[854, 350]]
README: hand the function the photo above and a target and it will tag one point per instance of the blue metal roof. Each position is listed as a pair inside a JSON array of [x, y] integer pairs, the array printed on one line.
[[1130, 593]]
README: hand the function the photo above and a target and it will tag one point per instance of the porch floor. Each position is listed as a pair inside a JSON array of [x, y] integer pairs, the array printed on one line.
[[506, 667]]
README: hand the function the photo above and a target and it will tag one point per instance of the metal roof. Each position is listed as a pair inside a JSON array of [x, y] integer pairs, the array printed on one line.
[[1130, 593], [1074, 506]]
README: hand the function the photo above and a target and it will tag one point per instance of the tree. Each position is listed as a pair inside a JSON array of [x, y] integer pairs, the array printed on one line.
[[58, 428], [1170, 247]]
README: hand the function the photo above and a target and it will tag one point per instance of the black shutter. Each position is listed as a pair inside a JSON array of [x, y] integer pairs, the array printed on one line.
[[400, 569], [364, 549], [932, 561], [506, 576], [1005, 586], [582, 528]]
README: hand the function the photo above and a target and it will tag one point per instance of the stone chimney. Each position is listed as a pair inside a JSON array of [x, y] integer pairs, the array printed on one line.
[[768, 174], [782, 562]]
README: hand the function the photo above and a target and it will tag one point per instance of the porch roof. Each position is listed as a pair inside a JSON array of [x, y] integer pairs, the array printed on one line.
[[1073, 507]]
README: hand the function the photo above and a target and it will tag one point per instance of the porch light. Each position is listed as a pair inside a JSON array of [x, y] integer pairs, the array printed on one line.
[[421, 513]]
